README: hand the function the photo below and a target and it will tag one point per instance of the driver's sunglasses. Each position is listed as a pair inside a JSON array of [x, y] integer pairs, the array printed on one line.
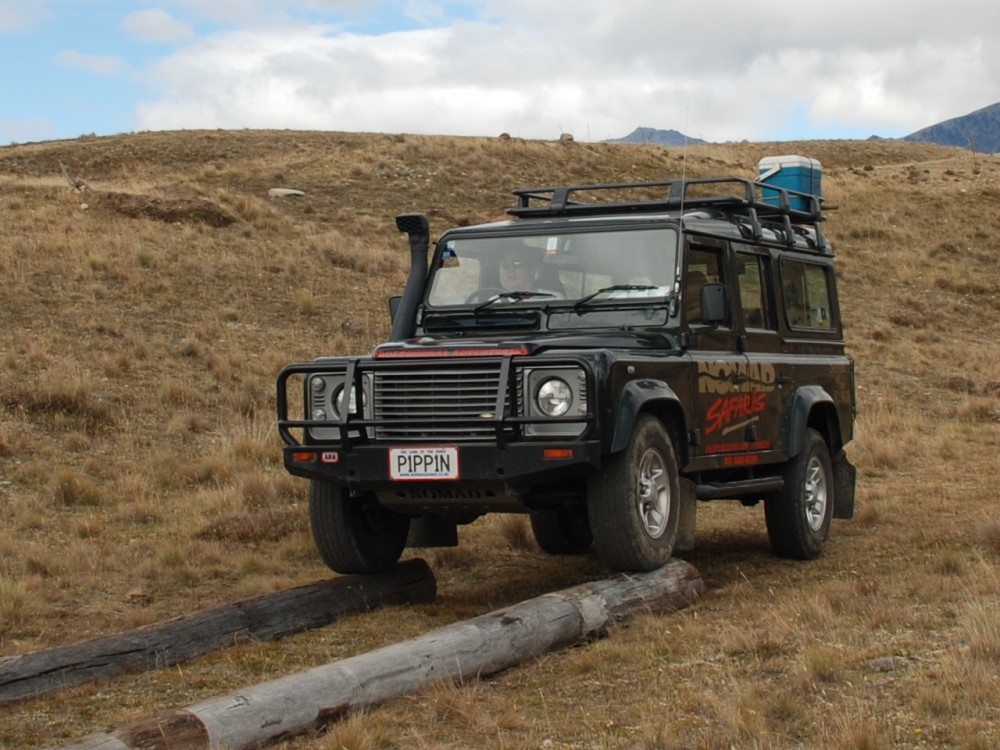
[[506, 265]]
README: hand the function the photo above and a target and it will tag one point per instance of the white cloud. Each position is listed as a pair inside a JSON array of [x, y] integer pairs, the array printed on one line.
[[104, 65], [10, 18], [155, 25], [718, 70], [16, 15]]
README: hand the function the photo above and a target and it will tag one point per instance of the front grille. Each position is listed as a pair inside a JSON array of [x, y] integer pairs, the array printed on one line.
[[439, 403]]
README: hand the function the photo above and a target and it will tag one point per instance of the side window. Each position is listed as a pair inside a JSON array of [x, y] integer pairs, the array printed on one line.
[[806, 295], [750, 277], [701, 266]]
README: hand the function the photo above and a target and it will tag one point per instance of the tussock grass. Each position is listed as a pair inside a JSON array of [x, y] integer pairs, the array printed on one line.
[[454, 558], [517, 533], [15, 604], [354, 733], [980, 410], [73, 488], [257, 526], [989, 535], [822, 664], [980, 624], [60, 399]]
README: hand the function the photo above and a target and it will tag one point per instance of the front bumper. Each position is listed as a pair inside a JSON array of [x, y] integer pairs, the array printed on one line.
[[518, 467], [481, 411]]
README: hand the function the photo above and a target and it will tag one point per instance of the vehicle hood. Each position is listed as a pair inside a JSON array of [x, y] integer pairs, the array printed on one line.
[[500, 346]]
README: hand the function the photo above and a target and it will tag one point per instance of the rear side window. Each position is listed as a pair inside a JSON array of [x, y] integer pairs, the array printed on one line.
[[750, 276], [805, 289]]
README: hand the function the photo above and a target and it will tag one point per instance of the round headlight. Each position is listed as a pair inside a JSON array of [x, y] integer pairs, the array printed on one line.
[[554, 397], [319, 414], [338, 402]]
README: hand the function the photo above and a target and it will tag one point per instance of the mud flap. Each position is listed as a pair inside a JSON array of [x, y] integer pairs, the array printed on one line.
[[844, 480], [688, 515]]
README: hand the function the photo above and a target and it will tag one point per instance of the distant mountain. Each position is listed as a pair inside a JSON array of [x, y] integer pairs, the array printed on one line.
[[654, 137], [976, 131]]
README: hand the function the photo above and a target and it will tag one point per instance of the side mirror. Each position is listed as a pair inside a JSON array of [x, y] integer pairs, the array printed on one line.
[[713, 304], [394, 305]]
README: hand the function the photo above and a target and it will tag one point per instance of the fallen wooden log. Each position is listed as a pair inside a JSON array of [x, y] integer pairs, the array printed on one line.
[[257, 715], [262, 618]]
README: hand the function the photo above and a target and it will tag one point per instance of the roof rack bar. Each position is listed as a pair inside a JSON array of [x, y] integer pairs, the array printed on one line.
[[744, 193], [560, 198], [756, 205], [758, 233]]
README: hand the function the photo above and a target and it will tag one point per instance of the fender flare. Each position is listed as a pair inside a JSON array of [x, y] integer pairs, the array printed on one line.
[[632, 401], [796, 420]]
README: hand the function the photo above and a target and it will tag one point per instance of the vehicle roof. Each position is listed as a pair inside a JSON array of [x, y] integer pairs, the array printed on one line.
[[724, 207]]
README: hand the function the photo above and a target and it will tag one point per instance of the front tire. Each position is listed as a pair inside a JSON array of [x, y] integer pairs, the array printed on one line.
[[354, 534], [562, 531], [634, 501], [798, 516]]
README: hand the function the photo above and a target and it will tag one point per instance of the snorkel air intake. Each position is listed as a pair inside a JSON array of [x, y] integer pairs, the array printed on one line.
[[404, 322]]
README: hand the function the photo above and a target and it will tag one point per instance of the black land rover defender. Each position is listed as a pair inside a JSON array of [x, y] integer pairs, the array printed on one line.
[[604, 360]]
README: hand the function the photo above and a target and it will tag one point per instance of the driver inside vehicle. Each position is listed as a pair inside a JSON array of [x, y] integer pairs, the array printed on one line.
[[521, 269]]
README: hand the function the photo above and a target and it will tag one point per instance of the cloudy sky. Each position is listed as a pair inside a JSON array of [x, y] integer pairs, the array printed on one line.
[[765, 70]]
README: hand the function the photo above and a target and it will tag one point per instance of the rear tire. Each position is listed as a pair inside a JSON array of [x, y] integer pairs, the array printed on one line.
[[798, 516], [354, 534], [634, 501], [562, 531]]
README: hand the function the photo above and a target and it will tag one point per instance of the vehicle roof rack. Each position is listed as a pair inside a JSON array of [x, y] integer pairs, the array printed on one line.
[[760, 203]]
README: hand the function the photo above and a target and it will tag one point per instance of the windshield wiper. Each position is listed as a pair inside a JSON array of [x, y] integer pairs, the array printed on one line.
[[513, 296], [616, 288]]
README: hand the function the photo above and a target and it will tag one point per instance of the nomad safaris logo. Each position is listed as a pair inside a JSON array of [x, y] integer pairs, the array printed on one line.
[[718, 376], [737, 405]]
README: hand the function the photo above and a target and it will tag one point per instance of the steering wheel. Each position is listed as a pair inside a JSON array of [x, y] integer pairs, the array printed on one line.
[[481, 295]]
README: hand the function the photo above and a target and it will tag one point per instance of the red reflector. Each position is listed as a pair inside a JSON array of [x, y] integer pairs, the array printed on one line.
[[557, 453], [303, 456]]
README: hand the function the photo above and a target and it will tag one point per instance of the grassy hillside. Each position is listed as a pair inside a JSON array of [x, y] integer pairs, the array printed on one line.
[[143, 321]]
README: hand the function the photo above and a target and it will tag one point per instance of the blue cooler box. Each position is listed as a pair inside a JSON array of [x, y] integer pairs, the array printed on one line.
[[793, 173]]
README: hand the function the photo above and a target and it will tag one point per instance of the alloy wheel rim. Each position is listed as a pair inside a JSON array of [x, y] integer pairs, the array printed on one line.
[[653, 494], [815, 494]]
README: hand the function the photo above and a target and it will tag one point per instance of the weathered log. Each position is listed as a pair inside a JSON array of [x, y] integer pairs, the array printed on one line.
[[467, 650], [262, 618]]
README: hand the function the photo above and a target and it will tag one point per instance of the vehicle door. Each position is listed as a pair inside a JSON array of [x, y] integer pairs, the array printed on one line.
[[765, 380], [716, 409]]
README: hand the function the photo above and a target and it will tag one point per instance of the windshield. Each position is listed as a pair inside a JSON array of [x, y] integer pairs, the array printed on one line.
[[591, 269]]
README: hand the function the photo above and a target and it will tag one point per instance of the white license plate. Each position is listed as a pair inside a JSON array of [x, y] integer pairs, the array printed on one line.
[[424, 462]]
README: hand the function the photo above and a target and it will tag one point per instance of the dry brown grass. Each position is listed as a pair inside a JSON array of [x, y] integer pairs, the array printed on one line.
[[140, 474]]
